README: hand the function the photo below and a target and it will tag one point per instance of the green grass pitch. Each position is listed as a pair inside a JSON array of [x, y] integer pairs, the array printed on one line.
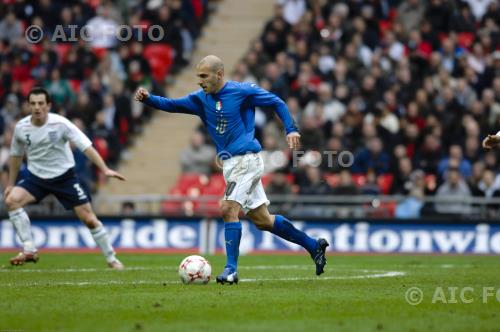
[[76, 292]]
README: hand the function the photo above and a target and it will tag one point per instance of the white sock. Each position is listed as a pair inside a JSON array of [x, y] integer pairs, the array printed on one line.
[[101, 238], [21, 222]]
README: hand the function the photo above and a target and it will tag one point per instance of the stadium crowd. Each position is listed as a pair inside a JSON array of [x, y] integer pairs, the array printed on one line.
[[410, 88], [92, 74]]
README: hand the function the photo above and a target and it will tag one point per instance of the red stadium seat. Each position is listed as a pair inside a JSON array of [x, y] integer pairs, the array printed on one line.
[[384, 26], [265, 180], [100, 52], [384, 182], [209, 208], [160, 58], [75, 85], [144, 24], [101, 145], [26, 86], [62, 50], [465, 39], [217, 182], [173, 207], [188, 181]]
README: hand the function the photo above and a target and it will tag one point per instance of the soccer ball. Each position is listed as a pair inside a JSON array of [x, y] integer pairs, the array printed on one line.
[[195, 270]]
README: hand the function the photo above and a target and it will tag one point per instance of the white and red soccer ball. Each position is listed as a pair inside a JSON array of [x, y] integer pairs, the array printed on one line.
[[195, 270]]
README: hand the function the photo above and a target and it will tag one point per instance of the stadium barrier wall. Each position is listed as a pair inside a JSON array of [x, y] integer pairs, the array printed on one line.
[[206, 236]]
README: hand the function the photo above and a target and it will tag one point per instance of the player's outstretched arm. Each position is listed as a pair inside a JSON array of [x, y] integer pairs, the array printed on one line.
[[14, 166], [92, 154], [491, 141], [187, 105]]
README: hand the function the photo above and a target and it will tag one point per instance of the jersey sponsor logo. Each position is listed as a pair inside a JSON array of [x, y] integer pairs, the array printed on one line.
[[218, 105]]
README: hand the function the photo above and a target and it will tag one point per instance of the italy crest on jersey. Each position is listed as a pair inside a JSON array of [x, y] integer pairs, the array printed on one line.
[[218, 105]]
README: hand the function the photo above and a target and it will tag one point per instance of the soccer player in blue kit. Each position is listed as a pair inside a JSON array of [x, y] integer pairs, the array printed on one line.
[[227, 110]]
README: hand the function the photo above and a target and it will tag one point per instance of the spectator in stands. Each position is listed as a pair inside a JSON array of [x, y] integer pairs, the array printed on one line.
[[10, 28], [370, 187], [455, 152], [346, 185], [106, 138], [463, 21], [9, 112], [90, 70], [101, 25], [128, 208], [278, 184], [453, 194], [311, 137], [293, 10], [478, 169], [488, 186], [373, 156], [59, 88], [315, 183], [274, 158], [402, 183], [326, 108], [411, 206], [198, 157], [428, 155]]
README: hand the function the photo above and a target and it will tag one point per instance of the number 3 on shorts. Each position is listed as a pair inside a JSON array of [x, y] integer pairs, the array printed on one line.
[[79, 191]]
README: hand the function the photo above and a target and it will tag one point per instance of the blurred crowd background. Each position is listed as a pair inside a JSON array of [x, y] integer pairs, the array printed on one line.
[[92, 82], [409, 88]]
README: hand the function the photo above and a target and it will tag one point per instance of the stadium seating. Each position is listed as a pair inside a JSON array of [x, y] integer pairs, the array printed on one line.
[[160, 58]]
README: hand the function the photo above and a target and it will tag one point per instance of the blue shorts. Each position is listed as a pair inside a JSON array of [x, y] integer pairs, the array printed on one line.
[[66, 187]]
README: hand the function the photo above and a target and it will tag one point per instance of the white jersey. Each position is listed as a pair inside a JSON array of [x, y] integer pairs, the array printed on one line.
[[47, 147]]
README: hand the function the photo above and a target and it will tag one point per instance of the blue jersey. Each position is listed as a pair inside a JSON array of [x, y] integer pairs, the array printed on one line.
[[229, 115]]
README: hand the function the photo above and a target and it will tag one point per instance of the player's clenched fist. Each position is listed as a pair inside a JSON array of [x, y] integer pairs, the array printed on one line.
[[491, 141], [141, 94]]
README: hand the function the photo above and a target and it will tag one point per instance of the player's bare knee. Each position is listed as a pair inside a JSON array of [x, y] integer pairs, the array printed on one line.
[[13, 202], [90, 220]]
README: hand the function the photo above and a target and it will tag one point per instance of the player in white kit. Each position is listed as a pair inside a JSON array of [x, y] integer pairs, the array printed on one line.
[[45, 138]]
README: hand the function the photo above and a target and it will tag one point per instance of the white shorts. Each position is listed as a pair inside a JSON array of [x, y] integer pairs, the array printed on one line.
[[243, 185]]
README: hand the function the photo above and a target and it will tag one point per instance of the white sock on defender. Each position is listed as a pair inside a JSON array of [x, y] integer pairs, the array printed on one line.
[[21, 222], [102, 239]]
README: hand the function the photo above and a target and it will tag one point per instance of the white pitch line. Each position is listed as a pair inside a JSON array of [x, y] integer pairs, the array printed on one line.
[[387, 274], [383, 274]]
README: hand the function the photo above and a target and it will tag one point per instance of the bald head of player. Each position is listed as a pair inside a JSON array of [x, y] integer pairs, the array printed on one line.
[[210, 72]]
